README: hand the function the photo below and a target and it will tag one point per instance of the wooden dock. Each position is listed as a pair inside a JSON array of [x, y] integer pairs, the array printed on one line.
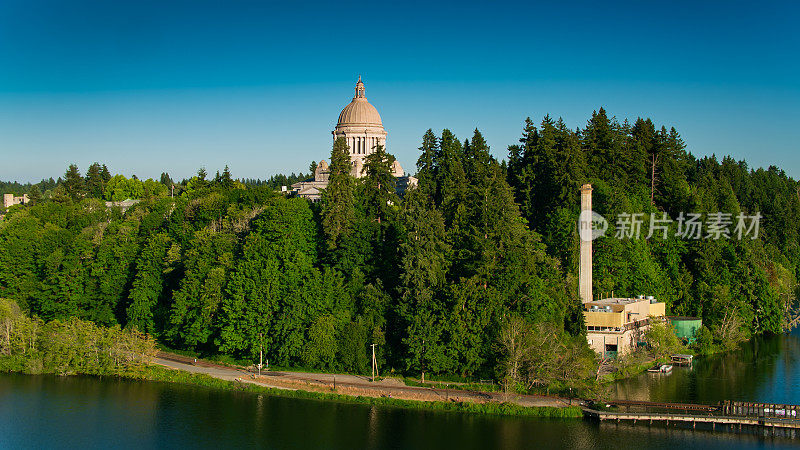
[[731, 415]]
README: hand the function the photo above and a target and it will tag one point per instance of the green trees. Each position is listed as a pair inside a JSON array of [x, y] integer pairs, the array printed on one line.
[[18, 333], [95, 184], [540, 355], [645, 168], [378, 185], [194, 313], [322, 342], [73, 182], [339, 197], [119, 188], [148, 284], [662, 341], [427, 162], [421, 307], [468, 260], [274, 292], [112, 269], [27, 344], [224, 181], [471, 273]]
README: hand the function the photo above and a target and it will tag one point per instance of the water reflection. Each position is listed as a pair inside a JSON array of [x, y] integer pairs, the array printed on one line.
[[766, 369], [76, 412]]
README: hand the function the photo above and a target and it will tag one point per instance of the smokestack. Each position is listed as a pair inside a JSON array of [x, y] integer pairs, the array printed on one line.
[[585, 232]]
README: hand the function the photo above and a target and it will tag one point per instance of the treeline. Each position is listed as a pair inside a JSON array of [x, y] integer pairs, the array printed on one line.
[[100, 184], [737, 286], [279, 180], [436, 278], [29, 345], [20, 189]]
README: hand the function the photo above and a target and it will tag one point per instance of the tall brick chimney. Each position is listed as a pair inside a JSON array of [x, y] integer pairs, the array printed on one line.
[[585, 232]]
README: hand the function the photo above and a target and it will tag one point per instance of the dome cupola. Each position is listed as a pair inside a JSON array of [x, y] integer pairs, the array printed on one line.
[[359, 112], [360, 124]]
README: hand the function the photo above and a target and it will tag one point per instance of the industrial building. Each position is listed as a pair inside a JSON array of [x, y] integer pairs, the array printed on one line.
[[614, 326]]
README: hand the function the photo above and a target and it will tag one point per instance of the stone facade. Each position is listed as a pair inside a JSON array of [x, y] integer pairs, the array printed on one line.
[[11, 200]]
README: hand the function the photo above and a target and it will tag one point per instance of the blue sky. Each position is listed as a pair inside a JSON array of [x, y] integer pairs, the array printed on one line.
[[150, 86]]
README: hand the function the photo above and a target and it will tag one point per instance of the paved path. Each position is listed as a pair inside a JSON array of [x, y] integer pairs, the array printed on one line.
[[384, 387], [221, 372]]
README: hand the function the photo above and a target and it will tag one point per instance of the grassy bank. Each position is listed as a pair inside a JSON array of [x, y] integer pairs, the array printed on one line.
[[155, 373]]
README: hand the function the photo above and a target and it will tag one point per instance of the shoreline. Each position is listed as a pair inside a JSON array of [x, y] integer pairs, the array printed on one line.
[[157, 373], [346, 391], [169, 375]]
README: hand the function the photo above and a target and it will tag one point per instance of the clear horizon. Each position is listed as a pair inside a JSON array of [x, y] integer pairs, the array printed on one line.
[[146, 87]]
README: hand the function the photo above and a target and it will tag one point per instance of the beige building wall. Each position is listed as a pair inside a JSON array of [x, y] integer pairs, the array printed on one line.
[[619, 321], [603, 319], [625, 341], [10, 200], [658, 309]]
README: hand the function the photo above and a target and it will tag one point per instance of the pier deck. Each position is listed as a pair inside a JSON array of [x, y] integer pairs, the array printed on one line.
[[726, 413], [692, 418]]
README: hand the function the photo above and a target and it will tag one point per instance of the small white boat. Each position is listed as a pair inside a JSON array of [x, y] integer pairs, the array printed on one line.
[[660, 368]]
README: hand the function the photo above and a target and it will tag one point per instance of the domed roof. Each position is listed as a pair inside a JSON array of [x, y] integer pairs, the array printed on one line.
[[359, 111]]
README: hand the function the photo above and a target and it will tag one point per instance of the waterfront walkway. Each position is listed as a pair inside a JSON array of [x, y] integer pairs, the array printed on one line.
[[354, 385]]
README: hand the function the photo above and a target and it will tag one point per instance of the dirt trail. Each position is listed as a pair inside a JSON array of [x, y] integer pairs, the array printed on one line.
[[354, 385]]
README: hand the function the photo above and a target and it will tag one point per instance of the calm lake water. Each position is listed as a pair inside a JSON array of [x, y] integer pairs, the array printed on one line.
[[84, 412], [766, 369]]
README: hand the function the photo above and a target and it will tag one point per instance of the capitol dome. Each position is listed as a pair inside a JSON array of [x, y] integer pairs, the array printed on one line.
[[359, 111], [360, 125], [361, 128]]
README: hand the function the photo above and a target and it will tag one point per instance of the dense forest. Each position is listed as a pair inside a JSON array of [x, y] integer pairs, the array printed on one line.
[[437, 279]]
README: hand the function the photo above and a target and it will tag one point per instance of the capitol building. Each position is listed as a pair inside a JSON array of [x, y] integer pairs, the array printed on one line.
[[361, 127]]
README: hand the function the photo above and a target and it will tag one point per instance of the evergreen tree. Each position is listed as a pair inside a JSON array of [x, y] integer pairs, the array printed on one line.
[[73, 183], [521, 163], [226, 181], [148, 284], [35, 194], [427, 164], [379, 185], [94, 181], [377, 205], [451, 178], [194, 313], [338, 198], [165, 179], [105, 175], [422, 305]]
